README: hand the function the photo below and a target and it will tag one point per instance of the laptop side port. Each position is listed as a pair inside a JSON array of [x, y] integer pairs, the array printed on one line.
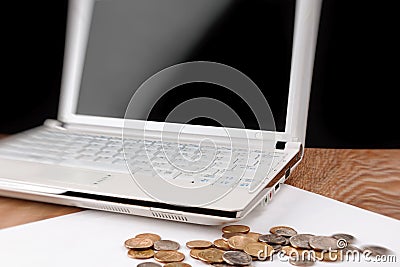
[[277, 186], [287, 173]]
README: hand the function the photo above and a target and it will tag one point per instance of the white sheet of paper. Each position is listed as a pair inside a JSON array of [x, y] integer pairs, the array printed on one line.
[[94, 238]]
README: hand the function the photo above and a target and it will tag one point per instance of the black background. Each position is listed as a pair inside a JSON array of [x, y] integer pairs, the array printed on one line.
[[353, 101]]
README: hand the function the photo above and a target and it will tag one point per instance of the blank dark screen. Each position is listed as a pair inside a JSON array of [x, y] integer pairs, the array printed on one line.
[[131, 40]]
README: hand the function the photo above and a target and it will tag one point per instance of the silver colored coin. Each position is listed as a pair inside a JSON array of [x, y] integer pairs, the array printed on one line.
[[285, 232], [301, 262], [287, 242], [377, 250], [237, 258], [349, 238], [272, 239], [301, 241], [166, 245], [148, 264], [323, 243]]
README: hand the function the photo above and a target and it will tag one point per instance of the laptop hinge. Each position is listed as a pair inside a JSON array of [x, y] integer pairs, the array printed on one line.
[[280, 145], [55, 124]]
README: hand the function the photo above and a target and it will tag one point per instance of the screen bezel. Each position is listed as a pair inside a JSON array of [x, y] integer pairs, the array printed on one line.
[[303, 50]]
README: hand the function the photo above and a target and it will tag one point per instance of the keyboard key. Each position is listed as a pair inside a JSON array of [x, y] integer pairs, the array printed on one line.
[[105, 153], [88, 152], [168, 174], [104, 159]]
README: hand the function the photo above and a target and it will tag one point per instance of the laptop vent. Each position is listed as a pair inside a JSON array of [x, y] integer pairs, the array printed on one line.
[[280, 145], [169, 216], [111, 208]]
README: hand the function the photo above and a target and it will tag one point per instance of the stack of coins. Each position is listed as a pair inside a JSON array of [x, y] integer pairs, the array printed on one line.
[[148, 245], [238, 246]]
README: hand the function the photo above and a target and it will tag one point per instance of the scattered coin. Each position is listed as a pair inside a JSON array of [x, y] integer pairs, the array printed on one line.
[[349, 238], [301, 262], [199, 244], [272, 239], [138, 243], [166, 245], [221, 244], [177, 264], [167, 256], [194, 253], [211, 255], [301, 241], [323, 243], [237, 258], [236, 229], [253, 235], [258, 250], [283, 230], [376, 250], [287, 241], [148, 264], [140, 254], [152, 237], [226, 236], [239, 242]]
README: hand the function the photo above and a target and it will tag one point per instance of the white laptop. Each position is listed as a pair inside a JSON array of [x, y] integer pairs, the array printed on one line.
[[184, 110]]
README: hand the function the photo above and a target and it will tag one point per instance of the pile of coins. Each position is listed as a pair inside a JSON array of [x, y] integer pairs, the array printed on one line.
[[238, 246], [148, 245]]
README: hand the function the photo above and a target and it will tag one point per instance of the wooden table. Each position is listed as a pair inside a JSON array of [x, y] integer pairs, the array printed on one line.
[[369, 179]]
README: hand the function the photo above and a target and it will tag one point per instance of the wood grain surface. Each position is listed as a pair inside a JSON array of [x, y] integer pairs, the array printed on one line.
[[369, 179], [17, 211]]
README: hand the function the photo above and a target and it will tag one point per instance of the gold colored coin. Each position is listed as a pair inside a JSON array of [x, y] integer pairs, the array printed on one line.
[[138, 243], [199, 244], [221, 244], [236, 229], [177, 264], [239, 242], [258, 250], [253, 235], [152, 237], [194, 253], [211, 255], [140, 254], [167, 256], [226, 236]]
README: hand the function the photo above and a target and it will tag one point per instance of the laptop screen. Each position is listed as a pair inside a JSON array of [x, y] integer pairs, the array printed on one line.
[[131, 40]]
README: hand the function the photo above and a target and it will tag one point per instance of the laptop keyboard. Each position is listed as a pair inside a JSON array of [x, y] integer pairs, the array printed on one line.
[[172, 161]]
